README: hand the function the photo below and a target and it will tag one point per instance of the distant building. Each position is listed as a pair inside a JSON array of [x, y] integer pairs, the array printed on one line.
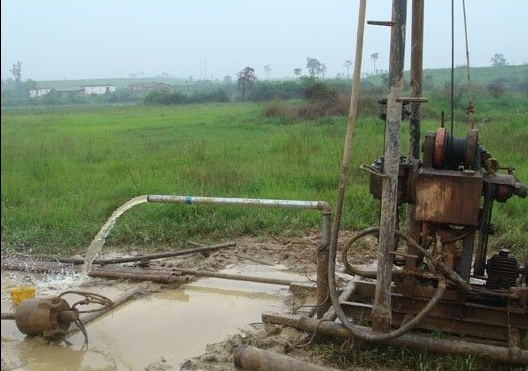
[[98, 89], [144, 89], [80, 90], [77, 90], [39, 92]]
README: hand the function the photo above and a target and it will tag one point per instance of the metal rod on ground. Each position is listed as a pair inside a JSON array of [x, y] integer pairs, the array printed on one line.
[[160, 255], [36, 266], [416, 341], [254, 359], [139, 276], [239, 277]]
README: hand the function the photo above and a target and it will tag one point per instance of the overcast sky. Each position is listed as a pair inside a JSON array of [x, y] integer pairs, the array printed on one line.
[[84, 39]]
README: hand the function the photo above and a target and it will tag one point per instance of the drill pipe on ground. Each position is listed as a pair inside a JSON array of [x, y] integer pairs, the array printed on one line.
[[255, 359], [512, 355], [160, 255], [140, 276], [238, 277], [35, 266]]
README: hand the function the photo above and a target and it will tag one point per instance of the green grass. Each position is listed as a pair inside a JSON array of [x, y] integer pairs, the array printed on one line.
[[64, 171], [350, 354]]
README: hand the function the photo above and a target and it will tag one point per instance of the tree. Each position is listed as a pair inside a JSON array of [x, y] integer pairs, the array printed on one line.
[[267, 68], [374, 57], [498, 60], [297, 72], [20, 91], [347, 65], [17, 72], [314, 67], [246, 78]]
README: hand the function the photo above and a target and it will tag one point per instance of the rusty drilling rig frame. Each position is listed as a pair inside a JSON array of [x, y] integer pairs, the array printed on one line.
[[435, 286]]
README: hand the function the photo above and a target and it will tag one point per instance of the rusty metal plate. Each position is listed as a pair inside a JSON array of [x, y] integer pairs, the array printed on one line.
[[448, 196]]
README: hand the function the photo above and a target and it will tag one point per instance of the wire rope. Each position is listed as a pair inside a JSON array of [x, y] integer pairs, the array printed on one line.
[[470, 108]]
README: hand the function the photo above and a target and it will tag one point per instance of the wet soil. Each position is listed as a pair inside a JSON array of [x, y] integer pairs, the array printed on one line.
[[291, 258]]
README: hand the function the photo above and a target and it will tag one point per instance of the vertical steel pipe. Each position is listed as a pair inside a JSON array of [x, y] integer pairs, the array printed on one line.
[[381, 310]]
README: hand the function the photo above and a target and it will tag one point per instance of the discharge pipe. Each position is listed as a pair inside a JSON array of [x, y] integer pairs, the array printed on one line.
[[290, 204], [322, 295]]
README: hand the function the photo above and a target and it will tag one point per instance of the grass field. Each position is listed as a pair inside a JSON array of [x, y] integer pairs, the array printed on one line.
[[65, 170]]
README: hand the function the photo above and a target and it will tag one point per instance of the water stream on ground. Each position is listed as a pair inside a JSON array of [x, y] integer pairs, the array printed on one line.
[[159, 331], [97, 243]]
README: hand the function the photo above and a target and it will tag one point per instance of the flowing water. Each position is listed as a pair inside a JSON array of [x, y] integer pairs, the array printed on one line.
[[159, 331], [97, 243]]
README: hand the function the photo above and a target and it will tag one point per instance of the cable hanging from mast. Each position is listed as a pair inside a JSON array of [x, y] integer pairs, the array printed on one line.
[[452, 103], [470, 108]]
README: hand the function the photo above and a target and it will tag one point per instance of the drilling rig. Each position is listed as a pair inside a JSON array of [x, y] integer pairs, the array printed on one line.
[[434, 272], [435, 286]]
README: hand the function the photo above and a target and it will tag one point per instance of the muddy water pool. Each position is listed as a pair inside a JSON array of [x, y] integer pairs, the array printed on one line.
[[166, 327]]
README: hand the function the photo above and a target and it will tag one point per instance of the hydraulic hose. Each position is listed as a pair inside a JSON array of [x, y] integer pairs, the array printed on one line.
[[359, 332]]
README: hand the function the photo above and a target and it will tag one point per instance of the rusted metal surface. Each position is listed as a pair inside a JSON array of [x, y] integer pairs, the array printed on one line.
[[137, 274], [36, 266], [51, 317], [254, 359], [484, 322], [437, 191], [323, 299], [44, 317], [416, 77]]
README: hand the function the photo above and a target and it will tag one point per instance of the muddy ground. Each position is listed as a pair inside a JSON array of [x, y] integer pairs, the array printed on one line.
[[297, 254]]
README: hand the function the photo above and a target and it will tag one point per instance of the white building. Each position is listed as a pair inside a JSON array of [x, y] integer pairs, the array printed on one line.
[[39, 92], [98, 89]]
